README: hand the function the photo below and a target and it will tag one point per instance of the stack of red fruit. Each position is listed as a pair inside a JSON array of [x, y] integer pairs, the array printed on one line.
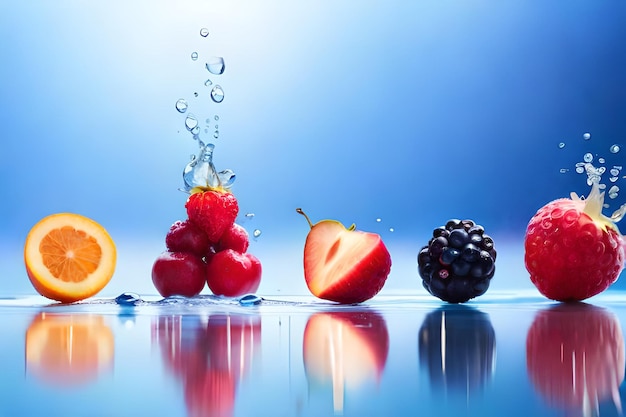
[[208, 247]]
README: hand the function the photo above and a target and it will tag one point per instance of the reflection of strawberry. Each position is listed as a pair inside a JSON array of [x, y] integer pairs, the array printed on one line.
[[213, 211], [572, 251]]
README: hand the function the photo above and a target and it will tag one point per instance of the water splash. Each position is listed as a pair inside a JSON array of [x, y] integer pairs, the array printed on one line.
[[201, 172]]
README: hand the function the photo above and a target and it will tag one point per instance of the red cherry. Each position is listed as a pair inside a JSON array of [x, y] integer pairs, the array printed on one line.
[[185, 236], [178, 273], [232, 273], [235, 238]]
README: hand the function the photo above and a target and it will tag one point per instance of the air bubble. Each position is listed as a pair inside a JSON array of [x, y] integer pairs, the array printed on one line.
[[614, 148], [204, 32], [588, 157], [563, 170], [613, 192], [614, 171], [194, 56], [208, 82], [613, 179], [215, 65], [256, 233], [561, 145], [601, 160], [181, 105], [580, 170], [217, 94], [587, 136]]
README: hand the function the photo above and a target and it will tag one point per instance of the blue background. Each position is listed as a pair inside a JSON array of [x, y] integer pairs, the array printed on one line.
[[407, 112]]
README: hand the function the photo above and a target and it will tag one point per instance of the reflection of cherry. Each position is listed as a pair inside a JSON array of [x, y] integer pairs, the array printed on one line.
[[457, 344], [575, 355], [345, 349], [70, 349], [209, 357]]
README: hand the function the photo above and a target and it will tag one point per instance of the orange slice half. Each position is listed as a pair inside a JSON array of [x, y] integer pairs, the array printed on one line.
[[69, 257]]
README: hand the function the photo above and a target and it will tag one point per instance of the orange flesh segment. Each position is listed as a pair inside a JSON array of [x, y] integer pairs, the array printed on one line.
[[69, 254]]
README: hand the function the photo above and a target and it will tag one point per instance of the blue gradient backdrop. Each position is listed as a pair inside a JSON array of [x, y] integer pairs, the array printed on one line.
[[407, 112]]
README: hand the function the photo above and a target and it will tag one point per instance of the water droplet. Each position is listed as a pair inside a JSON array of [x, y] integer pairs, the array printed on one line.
[[256, 233], [181, 105], [391, 229], [378, 220], [215, 65], [602, 186], [195, 94], [563, 170], [601, 160], [128, 299], [208, 83], [216, 118], [580, 169], [588, 157], [216, 134], [191, 122], [613, 192], [217, 94], [587, 136], [614, 171], [613, 179], [614, 148], [561, 145], [249, 215], [195, 130], [250, 300], [204, 32], [194, 56]]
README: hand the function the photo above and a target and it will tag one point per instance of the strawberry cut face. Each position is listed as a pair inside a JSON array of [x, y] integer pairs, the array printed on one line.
[[344, 265]]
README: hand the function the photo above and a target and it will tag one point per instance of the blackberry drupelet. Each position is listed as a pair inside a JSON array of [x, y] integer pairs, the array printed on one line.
[[458, 262]]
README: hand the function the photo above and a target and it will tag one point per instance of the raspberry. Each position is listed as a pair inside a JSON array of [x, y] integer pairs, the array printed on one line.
[[458, 262], [573, 251]]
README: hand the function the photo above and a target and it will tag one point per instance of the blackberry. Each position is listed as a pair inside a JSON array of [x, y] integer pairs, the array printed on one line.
[[458, 262]]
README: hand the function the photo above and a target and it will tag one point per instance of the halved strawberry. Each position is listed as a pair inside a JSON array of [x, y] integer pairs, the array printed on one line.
[[573, 251], [344, 265], [212, 210]]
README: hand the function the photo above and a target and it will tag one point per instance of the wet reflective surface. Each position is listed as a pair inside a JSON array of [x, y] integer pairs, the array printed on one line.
[[503, 354]]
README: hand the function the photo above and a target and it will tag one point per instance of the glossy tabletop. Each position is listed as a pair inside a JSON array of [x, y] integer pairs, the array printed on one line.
[[514, 354]]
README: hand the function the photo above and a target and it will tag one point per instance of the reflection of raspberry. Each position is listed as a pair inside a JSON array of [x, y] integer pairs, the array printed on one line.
[[458, 262]]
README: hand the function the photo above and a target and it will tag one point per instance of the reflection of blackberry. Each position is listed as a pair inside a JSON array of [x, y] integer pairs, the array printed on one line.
[[457, 346], [458, 262]]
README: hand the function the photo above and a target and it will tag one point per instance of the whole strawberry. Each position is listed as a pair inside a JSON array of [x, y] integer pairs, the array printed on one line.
[[212, 210], [573, 251]]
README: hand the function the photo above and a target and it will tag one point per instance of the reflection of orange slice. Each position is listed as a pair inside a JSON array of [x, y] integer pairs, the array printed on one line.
[[70, 349], [69, 257]]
